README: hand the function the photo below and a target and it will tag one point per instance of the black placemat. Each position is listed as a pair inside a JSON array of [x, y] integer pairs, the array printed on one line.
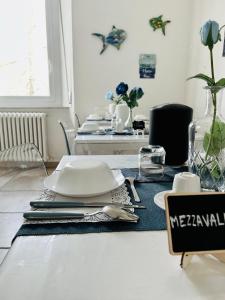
[[167, 176], [151, 218]]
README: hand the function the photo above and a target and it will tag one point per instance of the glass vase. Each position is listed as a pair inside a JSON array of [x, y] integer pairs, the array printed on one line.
[[122, 112], [112, 107], [129, 121], [207, 143]]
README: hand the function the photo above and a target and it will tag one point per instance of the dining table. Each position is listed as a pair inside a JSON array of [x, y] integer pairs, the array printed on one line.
[[123, 265]]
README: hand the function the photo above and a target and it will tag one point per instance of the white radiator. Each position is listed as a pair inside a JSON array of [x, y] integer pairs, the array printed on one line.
[[18, 128]]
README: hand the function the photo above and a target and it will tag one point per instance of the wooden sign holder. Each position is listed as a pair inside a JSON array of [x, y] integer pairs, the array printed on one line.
[[187, 256]]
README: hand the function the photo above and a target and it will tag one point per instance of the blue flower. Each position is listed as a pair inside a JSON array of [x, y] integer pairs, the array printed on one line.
[[122, 95], [136, 93], [210, 33], [122, 88], [109, 95]]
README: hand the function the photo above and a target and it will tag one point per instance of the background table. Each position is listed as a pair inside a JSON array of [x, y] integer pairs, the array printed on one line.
[[109, 144], [97, 266]]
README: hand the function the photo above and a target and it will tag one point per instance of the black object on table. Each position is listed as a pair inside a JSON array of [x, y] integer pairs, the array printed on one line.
[[168, 127]]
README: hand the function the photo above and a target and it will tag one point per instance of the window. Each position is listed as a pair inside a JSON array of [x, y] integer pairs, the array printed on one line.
[[29, 53]]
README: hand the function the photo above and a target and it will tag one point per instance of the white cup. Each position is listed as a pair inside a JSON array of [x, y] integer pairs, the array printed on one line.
[[186, 182]]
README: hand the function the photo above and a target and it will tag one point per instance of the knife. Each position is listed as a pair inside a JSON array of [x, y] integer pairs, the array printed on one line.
[[46, 215], [116, 214], [64, 204]]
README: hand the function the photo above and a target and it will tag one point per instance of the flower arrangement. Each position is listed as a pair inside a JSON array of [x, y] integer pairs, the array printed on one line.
[[207, 135], [122, 95], [210, 35]]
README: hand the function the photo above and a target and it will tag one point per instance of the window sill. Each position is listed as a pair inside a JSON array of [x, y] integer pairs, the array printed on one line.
[[34, 102]]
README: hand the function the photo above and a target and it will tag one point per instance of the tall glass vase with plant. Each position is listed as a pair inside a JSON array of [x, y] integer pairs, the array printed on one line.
[[207, 135]]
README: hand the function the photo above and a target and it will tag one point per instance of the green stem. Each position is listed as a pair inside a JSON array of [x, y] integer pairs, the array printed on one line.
[[212, 127], [131, 116], [213, 93], [212, 65]]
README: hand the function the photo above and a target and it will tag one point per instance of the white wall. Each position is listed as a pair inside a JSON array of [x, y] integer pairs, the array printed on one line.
[[95, 74], [199, 62], [179, 54]]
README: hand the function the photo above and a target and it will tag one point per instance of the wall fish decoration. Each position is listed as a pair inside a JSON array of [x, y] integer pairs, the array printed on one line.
[[158, 23], [115, 38]]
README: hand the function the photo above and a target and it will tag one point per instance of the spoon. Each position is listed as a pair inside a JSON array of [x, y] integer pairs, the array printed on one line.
[[115, 213]]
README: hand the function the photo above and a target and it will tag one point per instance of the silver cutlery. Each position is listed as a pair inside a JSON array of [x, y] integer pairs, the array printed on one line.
[[115, 213], [73, 204], [131, 181]]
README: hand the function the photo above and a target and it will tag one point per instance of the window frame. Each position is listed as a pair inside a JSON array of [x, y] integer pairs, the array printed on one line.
[[54, 65]]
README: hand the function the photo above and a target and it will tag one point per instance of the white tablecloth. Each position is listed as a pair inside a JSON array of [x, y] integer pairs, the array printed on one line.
[[105, 266]]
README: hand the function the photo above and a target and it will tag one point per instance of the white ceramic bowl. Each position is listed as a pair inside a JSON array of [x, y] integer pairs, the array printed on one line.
[[84, 178], [94, 117], [89, 127]]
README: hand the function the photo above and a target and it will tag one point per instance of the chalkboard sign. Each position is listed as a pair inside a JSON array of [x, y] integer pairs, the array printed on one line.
[[195, 222]]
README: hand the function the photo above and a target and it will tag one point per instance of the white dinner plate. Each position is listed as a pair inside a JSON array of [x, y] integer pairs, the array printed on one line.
[[50, 183], [95, 119], [79, 130], [159, 199]]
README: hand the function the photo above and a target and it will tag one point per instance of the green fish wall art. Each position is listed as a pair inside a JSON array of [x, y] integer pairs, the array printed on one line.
[[158, 23], [115, 38]]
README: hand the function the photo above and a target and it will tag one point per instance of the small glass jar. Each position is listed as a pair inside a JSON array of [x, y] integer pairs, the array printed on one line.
[[151, 160]]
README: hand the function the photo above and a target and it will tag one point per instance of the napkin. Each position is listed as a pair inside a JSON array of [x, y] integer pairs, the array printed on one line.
[[119, 195]]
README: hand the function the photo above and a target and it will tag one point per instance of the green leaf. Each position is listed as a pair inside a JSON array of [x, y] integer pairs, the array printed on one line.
[[215, 170], [219, 134], [206, 144], [221, 82], [132, 103], [217, 142], [204, 77]]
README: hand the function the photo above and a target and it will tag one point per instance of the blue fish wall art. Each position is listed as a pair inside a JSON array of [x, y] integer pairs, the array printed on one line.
[[115, 38]]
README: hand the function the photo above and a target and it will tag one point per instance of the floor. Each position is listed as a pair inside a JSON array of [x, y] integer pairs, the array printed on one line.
[[17, 188]]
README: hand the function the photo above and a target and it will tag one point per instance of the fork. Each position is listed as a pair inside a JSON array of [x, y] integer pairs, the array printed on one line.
[[131, 181]]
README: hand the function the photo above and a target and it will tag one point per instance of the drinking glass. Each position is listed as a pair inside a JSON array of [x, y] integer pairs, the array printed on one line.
[[151, 160]]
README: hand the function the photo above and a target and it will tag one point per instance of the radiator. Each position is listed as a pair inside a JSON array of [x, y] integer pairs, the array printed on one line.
[[18, 128]]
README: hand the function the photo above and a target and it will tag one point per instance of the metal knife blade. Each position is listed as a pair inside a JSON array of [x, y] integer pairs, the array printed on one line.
[[72, 204]]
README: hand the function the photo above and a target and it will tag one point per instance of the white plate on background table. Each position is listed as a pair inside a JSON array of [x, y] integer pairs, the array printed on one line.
[[50, 183], [94, 119], [85, 131], [159, 199], [82, 131]]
